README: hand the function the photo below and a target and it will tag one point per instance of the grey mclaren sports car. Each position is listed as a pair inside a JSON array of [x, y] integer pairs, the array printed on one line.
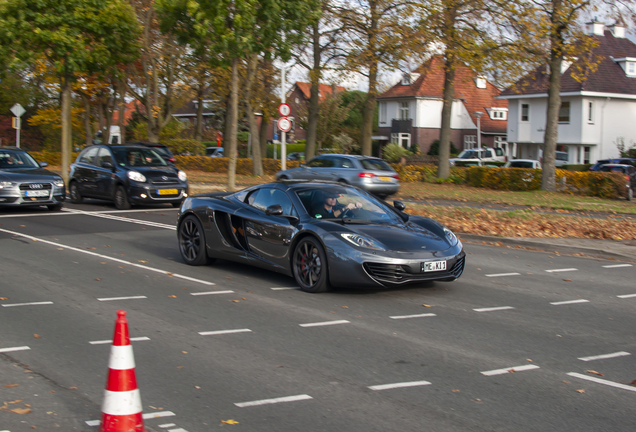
[[322, 234]]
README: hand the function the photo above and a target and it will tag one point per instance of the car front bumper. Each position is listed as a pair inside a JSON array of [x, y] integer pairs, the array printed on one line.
[[148, 194], [17, 196]]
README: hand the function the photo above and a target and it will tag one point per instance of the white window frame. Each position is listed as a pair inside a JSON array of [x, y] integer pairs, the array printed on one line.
[[404, 110], [527, 106], [590, 112], [565, 105], [383, 112], [470, 142]]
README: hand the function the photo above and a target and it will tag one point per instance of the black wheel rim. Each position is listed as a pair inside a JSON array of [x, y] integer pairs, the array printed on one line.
[[190, 240], [308, 264]]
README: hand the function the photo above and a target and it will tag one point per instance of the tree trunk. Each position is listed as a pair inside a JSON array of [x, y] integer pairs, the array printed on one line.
[[198, 131], [263, 134], [88, 130], [231, 123], [67, 139], [443, 169], [315, 75], [121, 121], [257, 159], [369, 110]]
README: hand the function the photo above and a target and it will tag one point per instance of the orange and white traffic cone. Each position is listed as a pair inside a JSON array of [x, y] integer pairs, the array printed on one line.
[[121, 408]]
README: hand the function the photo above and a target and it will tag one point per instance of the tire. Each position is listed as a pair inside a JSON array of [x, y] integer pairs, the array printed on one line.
[[309, 264], [76, 196], [192, 242], [630, 194], [121, 199], [54, 207]]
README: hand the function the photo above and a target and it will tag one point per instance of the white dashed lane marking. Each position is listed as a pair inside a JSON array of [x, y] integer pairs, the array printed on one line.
[[273, 401], [122, 298], [211, 292], [135, 339], [509, 370], [285, 288], [503, 274], [617, 265], [22, 348], [28, 304], [605, 356], [600, 381], [562, 270], [59, 245], [220, 332], [399, 385], [324, 323], [492, 309], [569, 302], [626, 296], [413, 316]]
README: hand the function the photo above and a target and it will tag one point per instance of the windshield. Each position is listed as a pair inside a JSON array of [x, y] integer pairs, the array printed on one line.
[[16, 160], [345, 204], [469, 154], [138, 157]]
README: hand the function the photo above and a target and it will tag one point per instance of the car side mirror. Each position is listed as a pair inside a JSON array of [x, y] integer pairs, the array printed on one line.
[[274, 210], [107, 165], [399, 205], [44, 164]]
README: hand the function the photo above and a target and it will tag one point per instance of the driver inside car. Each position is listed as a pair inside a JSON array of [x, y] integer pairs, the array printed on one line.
[[329, 207]]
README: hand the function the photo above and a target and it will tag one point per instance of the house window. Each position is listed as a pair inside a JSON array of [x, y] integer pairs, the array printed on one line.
[[404, 111], [631, 68], [470, 141], [382, 112], [564, 112], [525, 112], [297, 101], [406, 79], [498, 114], [480, 82], [586, 155], [590, 112]]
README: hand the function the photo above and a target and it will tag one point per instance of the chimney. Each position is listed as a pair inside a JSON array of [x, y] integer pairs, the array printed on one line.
[[594, 28], [618, 30]]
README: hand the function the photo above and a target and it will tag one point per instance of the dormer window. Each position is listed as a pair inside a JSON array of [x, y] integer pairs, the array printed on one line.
[[631, 68], [628, 64], [480, 82], [406, 79], [498, 113]]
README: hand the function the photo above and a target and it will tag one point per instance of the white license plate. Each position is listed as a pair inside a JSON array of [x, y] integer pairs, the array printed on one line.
[[431, 266], [167, 191], [36, 193]]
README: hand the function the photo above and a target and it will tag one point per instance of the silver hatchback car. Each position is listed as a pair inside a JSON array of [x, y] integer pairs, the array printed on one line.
[[368, 173]]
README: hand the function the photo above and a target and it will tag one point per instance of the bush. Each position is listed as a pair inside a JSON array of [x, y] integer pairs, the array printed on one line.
[[185, 146], [394, 152], [434, 150], [220, 164]]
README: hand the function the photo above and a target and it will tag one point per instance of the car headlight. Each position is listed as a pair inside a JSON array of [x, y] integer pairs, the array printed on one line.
[[136, 176], [362, 241], [58, 182], [451, 237], [7, 184], [182, 176]]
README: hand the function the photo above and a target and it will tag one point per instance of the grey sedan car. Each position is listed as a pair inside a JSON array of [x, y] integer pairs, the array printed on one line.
[[368, 173], [24, 182]]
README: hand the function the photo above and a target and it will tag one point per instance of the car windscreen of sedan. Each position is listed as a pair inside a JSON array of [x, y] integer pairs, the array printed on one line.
[[132, 157], [375, 164], [17, 160], [363, 208]]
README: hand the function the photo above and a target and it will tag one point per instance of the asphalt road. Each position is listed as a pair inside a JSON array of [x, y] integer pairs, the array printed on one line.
[[524, 341]]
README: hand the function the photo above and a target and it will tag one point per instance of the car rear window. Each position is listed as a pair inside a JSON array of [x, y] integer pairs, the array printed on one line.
[[375, 164], [612, 168]]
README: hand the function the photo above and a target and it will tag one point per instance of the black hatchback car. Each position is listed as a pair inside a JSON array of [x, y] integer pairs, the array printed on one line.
[[127, 175]]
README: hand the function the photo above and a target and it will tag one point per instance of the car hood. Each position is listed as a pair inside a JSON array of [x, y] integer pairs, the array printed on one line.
[[29, 174], [156, 172]]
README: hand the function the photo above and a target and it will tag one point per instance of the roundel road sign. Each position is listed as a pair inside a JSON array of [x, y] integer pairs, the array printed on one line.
[[284, 110], [284, 124]]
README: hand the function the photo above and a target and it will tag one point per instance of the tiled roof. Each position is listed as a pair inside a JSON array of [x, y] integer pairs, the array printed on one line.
[[323, 89], [608, 78], [430, 83]]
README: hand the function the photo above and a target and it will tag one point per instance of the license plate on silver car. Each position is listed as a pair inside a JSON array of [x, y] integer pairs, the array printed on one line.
[[431, 266], [36, 193]]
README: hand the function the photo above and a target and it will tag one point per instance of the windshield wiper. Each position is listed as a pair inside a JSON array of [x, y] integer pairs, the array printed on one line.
[[357, 221]]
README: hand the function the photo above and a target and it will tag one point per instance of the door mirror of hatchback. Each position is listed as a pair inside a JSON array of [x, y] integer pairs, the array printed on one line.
[[44, 164]]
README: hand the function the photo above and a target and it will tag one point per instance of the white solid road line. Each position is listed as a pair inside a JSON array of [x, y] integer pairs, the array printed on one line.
[[399, 385], [27, 304], [569, 302], [562, 270], [605, 356], [177, 430], [122, 298], [324, 323], [509, 370], [626, 296], [617, 265], [211, 292], [123, 219], [135, 339], [600, 381], [285, 288], [273, 401], [167, 425], [106, 257], [412, 316], [145, 416], [503, 274], [22, 348], [491, 309], [219, 332]]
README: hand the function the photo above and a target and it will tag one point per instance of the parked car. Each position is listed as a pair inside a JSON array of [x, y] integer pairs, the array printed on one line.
[[523, 163], [25, 182], [277, 226], [127, 175], [561, 159], [621, 161], [214, 151], [368, 173], [161, 149], [630, 176], [296, 156], [479, 156]]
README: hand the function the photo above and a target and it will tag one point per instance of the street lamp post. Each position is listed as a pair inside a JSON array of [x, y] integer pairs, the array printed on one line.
[[478, 114]]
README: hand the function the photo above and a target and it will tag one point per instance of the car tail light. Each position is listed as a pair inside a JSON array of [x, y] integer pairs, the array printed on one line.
[[397, 177], [366, 175], [173, 160], [627, 178]]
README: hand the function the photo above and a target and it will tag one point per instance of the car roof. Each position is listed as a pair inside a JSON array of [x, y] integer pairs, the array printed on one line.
[[524, 160], [612, 165], [350, 156], [11, 148]]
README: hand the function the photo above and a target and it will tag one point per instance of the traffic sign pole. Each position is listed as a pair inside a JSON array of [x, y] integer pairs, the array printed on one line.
[[283, 145], [18, 110]]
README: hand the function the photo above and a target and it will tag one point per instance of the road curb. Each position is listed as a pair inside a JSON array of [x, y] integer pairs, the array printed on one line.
[[537, 245]]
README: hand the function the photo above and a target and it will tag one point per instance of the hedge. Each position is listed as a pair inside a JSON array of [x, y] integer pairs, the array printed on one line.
[[220, 164]]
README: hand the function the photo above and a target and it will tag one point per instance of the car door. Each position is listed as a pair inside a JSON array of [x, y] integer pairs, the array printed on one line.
[[319, 168], [87, 172], [105, 178], [269, 237]]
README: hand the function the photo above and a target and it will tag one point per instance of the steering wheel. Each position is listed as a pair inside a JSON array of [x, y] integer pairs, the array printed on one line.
[[347, 212]]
